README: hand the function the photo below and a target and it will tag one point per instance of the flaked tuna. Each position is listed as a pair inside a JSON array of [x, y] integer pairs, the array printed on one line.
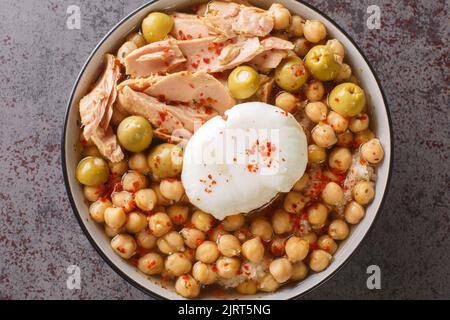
[[189, 26]]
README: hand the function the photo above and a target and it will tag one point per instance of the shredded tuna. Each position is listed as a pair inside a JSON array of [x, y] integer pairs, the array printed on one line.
[[107, 144], [189, 26]]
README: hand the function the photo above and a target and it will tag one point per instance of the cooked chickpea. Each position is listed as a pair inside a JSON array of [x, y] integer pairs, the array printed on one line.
[[277, 246], [91, 151], [316, 154], [286, 101], [145, 239], [133, 181], [136, 222], [363, 192], [229, 245], [253, 249], [319, 260], [281, 16], [359, 123], [296, 249], [124, 200], [327, 243], [281, 269], [145, 199], [340, 159], [294, 202], [316, 111], [338, 229], [345, 139], [234, 222], [177, 264], [115, 217], [204, 273], [202, 220], [118, 168], [354, 212], [296, 27], [281, 220], [111, 232], [268, 283], [138, 162], [159, 224], [186, 286], [344, 73], [97, 210], [151, 263], [92, 193], [261, 228], [160, 199], [372, 151], [178, 214], [207, 252], [317, 214], [314, 31], [299, 271], [228, 267], [337, 122], [323, 135], [137, 39], [332, 194], [192, 237], [337, 48], [170, 243], [171, 189], [311, 237], [301, 183], [363, 136], [124, 245], [314, 90], [247, 287], [301, 46]]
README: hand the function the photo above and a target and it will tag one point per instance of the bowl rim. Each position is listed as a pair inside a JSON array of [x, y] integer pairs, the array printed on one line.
[[100, 251]]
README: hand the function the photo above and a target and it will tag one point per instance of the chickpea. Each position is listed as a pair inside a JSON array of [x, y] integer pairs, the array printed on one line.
[[286, 101], [372, 151], [111, 232], [145, 199], [316, 154], [171, 189], [177, 264], [340, 159], [160, 199], [277, 246], [151, 264], [145, 239], [345, 139], [314, 31], [178, 214], [261, 228], [228, 268], [124, 200], [301, 183], [159, 224], [91, 151], [281, 269], [247, 287], [281, 16], [293, 203], [136, 222], [344, 73], [202, 220], [216, 233], [204, 273], [314, 90], [207, 252], [186, 286], [296, 27], [327, 244], [229, 245], [133, 181], [138, 162], [301, 46], [192, 237], [319, 260], [118, 168], [115, 217], [323, 135], [299, 271], [124, 245], [359, 123], [92, 194], [337, 122], [363, 192], [268, 283], [253, 249], [97, 210], [170, 243], [310, 237], [363, 136], [234, 222], [137, 39], [281, 222], [316, 111], [338, 229], [354, 212], [317, 214], [296, 249], [337, 48], [332, 194]]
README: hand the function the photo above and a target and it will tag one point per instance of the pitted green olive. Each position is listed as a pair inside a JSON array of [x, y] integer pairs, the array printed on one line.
[[92, 171], [243, 82], [291, 74], [166, 160], [135, 133], [156, 26], [322, 64], [347, 99]]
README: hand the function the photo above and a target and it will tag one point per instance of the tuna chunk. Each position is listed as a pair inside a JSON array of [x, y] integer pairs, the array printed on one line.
[[189, 26], [107, 144], [274, 50], [157, 57]]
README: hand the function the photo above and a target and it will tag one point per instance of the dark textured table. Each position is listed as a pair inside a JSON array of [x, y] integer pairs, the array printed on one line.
[[40, 237]]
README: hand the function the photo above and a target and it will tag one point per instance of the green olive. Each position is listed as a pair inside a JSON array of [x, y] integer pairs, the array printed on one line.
[[92, 171], [166, 160], [156, 26], [291, 74], [322, 64], [243, 82], [347, 99], [135, 133]]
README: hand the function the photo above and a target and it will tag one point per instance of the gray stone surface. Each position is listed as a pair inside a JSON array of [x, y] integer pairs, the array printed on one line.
[[39, 236]]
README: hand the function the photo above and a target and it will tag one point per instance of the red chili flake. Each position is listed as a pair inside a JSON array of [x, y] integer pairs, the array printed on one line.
[[194, 65], [185, 277], [214, 268], [246, 266], [209, 176], [136, 185], [83, 142], [199, 242], [206, 60], [226, 264], [151, 264], [314, 246], [214, 182], [336, 99], [189, 37], [362, 161]]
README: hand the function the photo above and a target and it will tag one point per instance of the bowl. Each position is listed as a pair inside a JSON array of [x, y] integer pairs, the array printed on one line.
[[381, 124]]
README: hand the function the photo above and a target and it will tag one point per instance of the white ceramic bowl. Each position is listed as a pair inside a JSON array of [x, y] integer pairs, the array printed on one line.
[[380, 123]]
